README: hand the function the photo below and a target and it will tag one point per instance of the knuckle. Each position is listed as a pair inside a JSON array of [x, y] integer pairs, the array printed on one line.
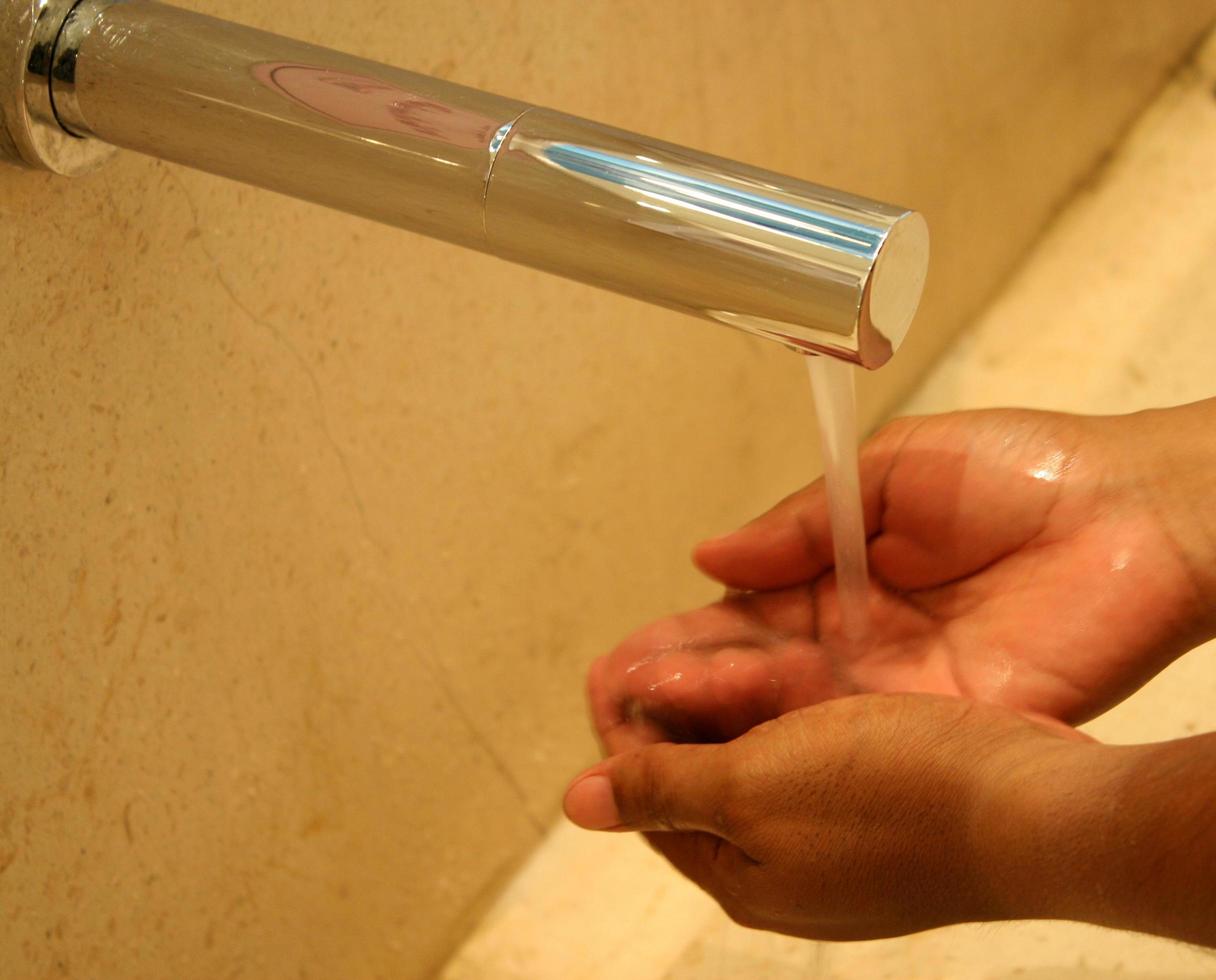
[[654, 792], [732, 811], [652, 787]]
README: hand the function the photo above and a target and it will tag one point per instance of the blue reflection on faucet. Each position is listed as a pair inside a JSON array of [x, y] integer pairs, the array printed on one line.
[[719, 199], [500, 134]]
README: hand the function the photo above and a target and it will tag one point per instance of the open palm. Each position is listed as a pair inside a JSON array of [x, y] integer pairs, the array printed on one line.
[[1013, 559]]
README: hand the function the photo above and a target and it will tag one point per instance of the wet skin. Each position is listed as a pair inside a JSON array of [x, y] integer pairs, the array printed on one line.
[[1047, 565], [1019, 558]]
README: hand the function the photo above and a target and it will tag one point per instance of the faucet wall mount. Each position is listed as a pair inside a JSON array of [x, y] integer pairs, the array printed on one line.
[[816, 269]]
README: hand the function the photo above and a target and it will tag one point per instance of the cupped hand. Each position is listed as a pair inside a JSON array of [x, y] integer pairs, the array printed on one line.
[[869, 816], [1017, 558]]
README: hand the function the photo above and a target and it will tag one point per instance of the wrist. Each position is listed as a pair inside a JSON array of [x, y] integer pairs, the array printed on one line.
[[1042, 832], [1117, 836], [1159, 867]]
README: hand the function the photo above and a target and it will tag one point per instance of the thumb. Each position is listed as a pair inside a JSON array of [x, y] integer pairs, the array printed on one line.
[[792, 543], [658, 787]]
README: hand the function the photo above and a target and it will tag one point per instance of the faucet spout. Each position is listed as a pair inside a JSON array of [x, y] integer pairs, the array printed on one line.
[[816, 269]]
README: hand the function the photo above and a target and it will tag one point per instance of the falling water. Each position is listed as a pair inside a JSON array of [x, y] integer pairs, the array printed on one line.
[[836, 410]]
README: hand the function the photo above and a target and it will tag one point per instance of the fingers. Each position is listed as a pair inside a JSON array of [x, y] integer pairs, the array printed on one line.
[[709, 696], [620, 722], [658, 788], [700, 676], [711, 674], [791, 543], [675, 795]]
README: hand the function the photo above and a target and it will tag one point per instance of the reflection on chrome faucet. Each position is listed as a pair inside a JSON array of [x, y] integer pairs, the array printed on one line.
[[732, 203], [372, 103], [816, 269]]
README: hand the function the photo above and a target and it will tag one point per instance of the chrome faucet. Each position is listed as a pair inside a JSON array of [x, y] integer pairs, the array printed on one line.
[[816, 269]]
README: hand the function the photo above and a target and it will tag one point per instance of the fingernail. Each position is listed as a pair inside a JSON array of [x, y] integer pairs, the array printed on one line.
[[590, 803]]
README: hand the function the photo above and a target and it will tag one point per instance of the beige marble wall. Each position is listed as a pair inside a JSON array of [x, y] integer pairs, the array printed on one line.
[[308, 527]]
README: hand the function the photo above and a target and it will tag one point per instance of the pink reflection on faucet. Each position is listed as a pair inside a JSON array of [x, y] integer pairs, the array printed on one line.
[[371, 103]]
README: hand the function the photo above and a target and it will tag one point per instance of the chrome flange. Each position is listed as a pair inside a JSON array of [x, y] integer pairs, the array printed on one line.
[[30, 134]]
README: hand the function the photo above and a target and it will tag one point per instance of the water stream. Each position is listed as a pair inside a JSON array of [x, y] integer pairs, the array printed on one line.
[[836, 412]]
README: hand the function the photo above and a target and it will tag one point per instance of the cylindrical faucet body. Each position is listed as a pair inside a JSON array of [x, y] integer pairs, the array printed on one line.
[[817, 269]]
